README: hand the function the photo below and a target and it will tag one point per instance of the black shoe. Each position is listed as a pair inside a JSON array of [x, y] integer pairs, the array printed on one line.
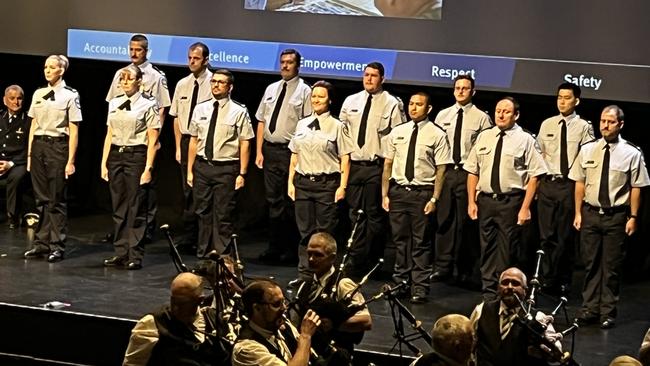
[[13, 223], [608, 323], [440, 276], [36, 253], [108, 238], [55, 256], [134, 265], [418, 299], [586, 318], [114, 261]]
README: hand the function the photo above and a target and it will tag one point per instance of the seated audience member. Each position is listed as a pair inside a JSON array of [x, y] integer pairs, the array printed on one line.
[[625, 361], [452, 340], [182, 333], [644, 351]]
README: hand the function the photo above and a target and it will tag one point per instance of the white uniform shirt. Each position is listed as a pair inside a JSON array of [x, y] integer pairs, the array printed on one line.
[[233, 125], [183, 98], [386, 112], [474, 121], [154, 83], [129, 127], [626, 170], [295, 106], [578, 131], [53, 116], [520, 159]]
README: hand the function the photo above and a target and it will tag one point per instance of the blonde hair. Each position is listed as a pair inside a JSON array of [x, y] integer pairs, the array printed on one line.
[[61, 60]]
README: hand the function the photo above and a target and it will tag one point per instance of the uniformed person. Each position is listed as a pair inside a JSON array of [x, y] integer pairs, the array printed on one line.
[[284, 103], [319, 169], [217, 162], [370, 115], [503, 165], [457, 236], [53, 138], [190, 91], [129, 152], [154, 83], [14, 135], [559, 139], [608, 174], [414, 171]]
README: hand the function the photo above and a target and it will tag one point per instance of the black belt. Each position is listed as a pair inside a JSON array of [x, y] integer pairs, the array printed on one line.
[[321, 177], [503, 196], [415, 187], [50, 138], [557, 178], [186, 136], [283, 145], [218, 162], [366, 162], [457, 166], [128, 149], [609, 211]]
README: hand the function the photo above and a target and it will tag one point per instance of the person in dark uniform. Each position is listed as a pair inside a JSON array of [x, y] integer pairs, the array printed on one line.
[[154, 83], [217, 162], [284, 103], [452, 339], [319, 170], [127, 162], [14, 136], [53, 138], [417, 154], [559, 139], [503, 165], [608, 174], [500, 340], [182, 333], [457, 236], [190, 91], [266, 339], [370, 114]]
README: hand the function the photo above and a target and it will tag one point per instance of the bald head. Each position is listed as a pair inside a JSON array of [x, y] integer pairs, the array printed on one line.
[[625, 361], [453, 336], [187, 296], [187, 285], [512, 287]]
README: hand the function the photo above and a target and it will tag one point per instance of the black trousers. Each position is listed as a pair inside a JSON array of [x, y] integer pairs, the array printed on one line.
[[190, 220], [283, 234], [457, 236], [555, 208], [602, 245], [501, 237], [411, 230], [14, 179], [315, 211], [214, 200], [125, 167], [364, 193], [49, 157]]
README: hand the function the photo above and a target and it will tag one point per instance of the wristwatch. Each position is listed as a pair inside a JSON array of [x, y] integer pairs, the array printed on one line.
[[433, 200]]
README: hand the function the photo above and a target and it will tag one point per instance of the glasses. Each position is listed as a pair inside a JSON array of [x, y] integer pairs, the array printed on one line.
[[219, 82], [277, 304]]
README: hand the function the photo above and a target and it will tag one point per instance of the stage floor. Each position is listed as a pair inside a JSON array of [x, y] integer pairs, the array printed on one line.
[[81, 281]]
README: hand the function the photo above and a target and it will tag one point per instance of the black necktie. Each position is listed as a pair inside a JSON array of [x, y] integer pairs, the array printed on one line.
[[276, 109], [361, 139], [409, 172], [49, 95], [457, 133], [195, 95], [603, 192], [126, 105], [11, 119], [209, 141], [314, 125], [495, 182], [564, 160]]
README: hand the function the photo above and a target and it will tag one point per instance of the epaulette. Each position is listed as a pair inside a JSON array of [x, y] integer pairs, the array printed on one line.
[[634, 146], [121, 95], [529, 132], [239, 104], [589, 142], [147, 96], [440, 127], [71, 89], [157, 69]]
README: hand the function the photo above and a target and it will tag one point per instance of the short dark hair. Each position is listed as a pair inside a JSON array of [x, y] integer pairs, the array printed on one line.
[[514, 102], [377, 66], [570, 86], [291, 51], [141, 38], [465, 77], [620, 116], [226, 73], [327, 85], [424, 94], [254, 294], [204, 48]]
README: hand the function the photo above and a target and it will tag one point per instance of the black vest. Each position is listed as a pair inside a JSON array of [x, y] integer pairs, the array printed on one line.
[[177, 344], [247, 332], [492, 351]]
